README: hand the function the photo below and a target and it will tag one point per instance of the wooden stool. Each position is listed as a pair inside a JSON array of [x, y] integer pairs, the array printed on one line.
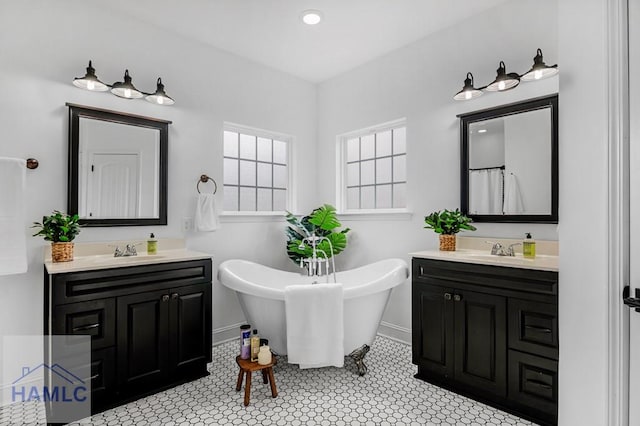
[[247, 367]]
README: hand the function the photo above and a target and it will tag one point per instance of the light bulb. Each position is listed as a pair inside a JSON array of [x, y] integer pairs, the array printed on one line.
[[311, 17], [467, 95], [91, 85], [501, 85], [127, 93], [537, 74], [160, 100]]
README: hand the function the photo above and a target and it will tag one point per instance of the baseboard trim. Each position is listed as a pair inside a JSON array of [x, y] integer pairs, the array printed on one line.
[[227, 333], [395, 332]]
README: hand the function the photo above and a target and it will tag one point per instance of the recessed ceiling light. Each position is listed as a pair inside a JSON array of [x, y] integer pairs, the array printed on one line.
[[311, 17], [482, 131]]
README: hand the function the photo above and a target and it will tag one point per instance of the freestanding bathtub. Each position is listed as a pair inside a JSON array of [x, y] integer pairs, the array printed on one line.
[[367, 289]]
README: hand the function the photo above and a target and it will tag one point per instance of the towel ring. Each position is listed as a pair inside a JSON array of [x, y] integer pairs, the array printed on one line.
[[205, 179]]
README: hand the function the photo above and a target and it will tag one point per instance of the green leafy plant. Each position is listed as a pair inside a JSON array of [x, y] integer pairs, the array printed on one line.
[[448, 222], [322, 222], [58, 227]]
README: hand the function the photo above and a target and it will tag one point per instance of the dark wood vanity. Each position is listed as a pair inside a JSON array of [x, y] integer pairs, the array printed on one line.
[[150, 324], [488, 332]]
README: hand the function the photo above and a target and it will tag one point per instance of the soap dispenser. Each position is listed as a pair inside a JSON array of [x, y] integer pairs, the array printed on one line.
[[152, 244], [529, 247]]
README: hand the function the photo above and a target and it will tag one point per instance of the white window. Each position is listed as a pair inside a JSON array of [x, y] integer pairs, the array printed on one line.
[[373, 162], [256, 170]]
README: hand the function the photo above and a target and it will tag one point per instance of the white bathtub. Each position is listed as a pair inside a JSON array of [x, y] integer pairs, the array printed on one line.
[[260, 291]]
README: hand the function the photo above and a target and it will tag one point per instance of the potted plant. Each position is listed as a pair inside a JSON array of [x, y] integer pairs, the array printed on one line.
[[322, 222], [448, 223], [60, 229]]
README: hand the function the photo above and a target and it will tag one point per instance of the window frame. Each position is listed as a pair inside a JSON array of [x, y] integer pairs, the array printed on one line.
[[342, 164], [289, 140]]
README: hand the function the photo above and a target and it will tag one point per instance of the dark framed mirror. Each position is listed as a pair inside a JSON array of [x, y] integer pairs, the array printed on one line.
[[509, 162], [117, 167]]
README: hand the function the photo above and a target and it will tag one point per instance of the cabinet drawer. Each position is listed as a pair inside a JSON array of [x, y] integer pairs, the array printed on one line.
[[533, 327], [90, 285], [533, 383], [96, 318]]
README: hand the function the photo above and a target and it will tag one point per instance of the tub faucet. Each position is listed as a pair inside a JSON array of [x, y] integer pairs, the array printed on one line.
[[318, 257]]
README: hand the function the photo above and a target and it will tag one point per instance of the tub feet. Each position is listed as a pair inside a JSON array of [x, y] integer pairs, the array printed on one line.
[[358, 356]]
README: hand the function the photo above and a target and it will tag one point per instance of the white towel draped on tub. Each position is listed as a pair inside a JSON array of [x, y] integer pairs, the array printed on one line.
[[315, 329], [13, 250], [206, 214]]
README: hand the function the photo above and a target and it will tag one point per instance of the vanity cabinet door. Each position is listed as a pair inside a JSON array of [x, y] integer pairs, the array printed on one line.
[[432, 325], [143, 340], [481, 341], [190, 328]]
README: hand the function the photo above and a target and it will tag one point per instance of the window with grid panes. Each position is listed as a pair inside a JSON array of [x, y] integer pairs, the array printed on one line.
[[256, 171], [374, 162]]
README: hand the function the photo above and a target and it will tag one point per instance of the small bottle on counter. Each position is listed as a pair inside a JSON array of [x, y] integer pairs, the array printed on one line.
[[529, 247], [152, 244], [245, 341], [255, 345]]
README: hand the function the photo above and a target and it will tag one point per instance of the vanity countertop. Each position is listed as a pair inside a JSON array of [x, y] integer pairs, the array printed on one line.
[[483, 257], [92, 256], [107, 261]]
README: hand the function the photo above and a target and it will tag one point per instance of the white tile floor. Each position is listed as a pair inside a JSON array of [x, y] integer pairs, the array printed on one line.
[[387, 395]]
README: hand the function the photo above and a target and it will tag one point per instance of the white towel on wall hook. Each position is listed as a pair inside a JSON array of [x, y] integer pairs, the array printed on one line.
[[206, 219], [13, 253]]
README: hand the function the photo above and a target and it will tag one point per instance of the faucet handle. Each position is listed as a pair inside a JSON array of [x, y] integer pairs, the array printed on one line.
[[117, 252], [496, 248], [510, 250]]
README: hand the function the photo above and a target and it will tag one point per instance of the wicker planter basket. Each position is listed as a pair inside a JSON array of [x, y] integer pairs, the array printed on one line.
[[62, 252], [447, 242]]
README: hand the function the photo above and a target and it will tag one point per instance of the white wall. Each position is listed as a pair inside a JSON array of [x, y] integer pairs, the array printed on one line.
[[44, 44], [583, 213], [418, 82]]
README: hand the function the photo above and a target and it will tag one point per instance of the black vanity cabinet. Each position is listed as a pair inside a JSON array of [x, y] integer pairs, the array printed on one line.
[[150, 325], [488, 332]]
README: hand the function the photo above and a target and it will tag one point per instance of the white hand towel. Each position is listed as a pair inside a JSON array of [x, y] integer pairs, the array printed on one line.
[[13, 250], [206, 214], [315, 326]]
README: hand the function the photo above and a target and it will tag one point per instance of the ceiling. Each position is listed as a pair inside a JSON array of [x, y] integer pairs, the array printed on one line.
[[270, 32]]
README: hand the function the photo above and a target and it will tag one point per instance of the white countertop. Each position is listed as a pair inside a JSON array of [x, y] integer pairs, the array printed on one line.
[[484, 257], [93, 256]]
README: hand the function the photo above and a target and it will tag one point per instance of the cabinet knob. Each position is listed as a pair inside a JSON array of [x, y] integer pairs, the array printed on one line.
[[447, 296], [457, 297], [165, 297], [174, 296]]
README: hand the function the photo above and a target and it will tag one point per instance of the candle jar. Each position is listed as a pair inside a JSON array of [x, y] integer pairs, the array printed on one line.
[[264, 355]]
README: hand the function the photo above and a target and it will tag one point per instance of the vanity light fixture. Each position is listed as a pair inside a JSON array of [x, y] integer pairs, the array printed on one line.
[[468, 91], [159, 97], [506, 81], [90, 81], [123, 89], [126, 89], [311, 17], [503, 80], [540, 70]]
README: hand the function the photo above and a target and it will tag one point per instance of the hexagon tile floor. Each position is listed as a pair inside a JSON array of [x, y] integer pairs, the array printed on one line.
[[387, 395]]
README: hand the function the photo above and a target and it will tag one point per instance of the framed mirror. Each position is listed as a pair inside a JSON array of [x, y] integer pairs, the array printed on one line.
[[117, 168], [509, 162]]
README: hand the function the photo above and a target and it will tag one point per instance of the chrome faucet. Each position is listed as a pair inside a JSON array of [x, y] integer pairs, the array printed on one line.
[[129, 250], [499, 250], [315, 262]]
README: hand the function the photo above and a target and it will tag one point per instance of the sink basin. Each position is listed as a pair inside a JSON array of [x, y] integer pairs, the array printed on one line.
[[116, 260]]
